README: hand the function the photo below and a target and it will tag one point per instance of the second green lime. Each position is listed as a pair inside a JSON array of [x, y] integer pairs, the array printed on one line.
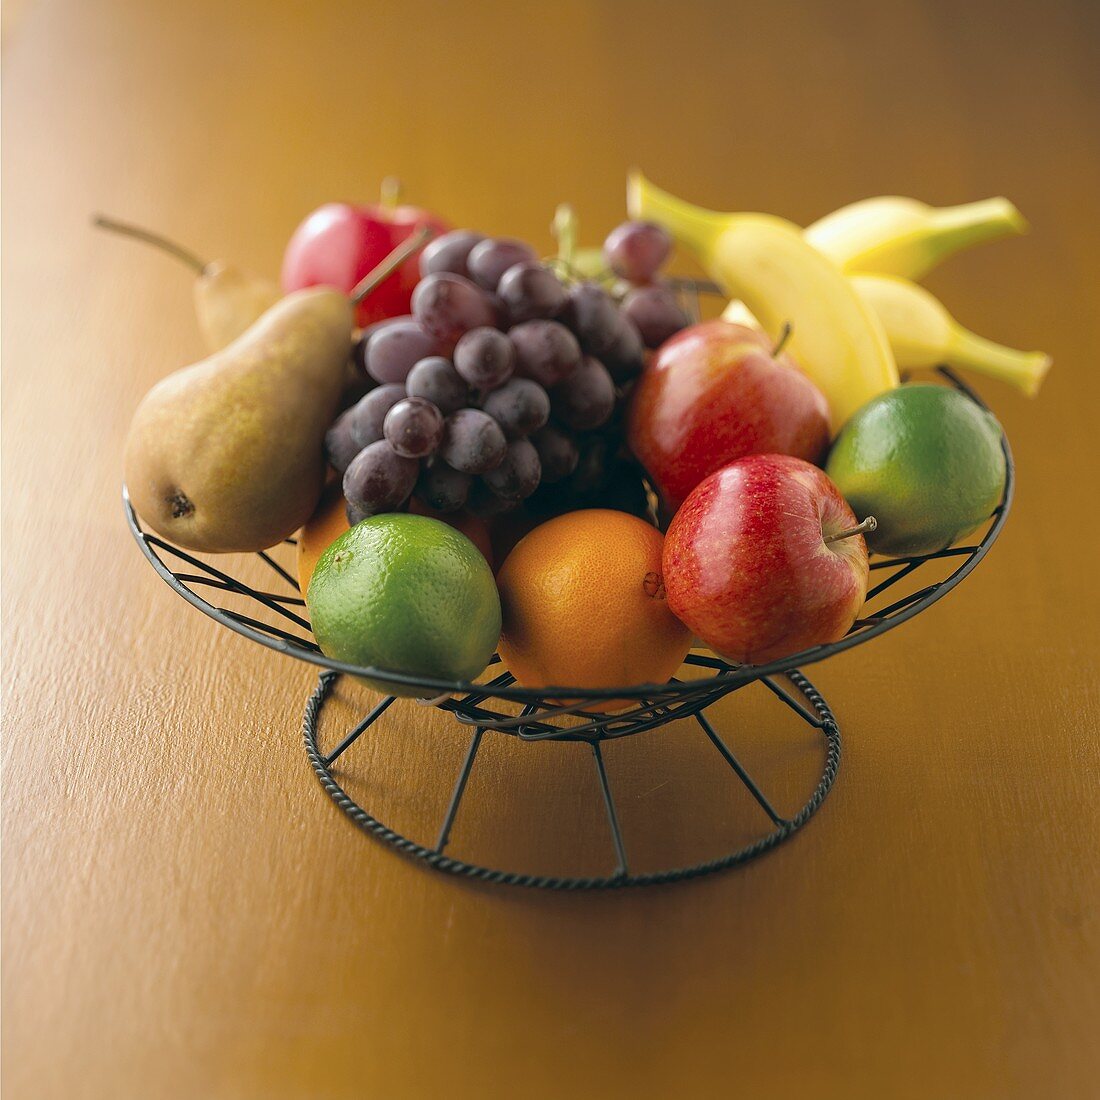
[[925, 461], [408, 594]]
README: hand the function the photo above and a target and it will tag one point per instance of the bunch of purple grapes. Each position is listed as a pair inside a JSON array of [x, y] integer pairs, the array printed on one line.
[[503, 379]]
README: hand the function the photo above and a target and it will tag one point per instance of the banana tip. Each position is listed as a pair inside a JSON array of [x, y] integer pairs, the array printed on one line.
[[1040, 366], [1012, 216]]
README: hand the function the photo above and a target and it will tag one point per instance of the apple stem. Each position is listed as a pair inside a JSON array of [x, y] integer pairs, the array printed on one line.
[[390, 264], [781, 343], [865, 528], [125, 229], [390, 193]]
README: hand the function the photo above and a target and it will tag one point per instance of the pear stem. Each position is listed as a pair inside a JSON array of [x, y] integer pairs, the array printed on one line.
[[125, 229], [390, 193], [781, 343], [390, 263], [865, 528]]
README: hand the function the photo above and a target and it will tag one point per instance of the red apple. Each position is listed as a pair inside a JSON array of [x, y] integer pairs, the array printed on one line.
[[339, 243], [752, 563], [713, 393]]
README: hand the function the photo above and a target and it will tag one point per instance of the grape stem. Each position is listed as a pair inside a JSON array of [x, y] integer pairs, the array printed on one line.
[[564, 229], [865, 528], [781, 343], [390, 193], [125, 229], [383, 270]]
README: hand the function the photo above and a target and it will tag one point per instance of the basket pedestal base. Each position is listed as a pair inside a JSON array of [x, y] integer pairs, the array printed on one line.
[[805, 701]]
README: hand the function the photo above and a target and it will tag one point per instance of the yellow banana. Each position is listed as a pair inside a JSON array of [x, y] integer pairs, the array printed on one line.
[[837, 340], [923, 334], [890, 235]]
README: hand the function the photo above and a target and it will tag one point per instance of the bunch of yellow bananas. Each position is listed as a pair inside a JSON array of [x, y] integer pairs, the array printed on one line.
[[844, 285]]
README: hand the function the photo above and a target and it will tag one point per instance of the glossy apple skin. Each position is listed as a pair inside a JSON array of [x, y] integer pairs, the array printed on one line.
[[714, 393], [747, 569], [339, 243]]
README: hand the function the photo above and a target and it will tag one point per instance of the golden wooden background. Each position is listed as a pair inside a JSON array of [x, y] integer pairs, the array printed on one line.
[[186, 915]]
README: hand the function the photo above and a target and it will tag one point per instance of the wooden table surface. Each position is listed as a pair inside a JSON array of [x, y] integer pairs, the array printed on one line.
[[187, 915]]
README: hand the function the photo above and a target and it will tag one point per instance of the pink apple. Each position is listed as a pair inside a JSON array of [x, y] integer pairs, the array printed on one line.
[[714, 393], [339, 243], [752, 565]]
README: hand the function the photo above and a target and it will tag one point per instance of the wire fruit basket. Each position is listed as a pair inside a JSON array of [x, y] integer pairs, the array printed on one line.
[[275, 617]]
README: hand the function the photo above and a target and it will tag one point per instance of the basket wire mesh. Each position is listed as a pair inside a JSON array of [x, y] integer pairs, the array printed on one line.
[[273, 615]]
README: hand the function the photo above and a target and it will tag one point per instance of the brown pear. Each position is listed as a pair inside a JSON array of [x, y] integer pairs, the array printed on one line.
[[228, 299], [227, 455]]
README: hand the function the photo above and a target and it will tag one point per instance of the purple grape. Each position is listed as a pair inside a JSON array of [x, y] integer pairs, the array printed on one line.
[[357, 385], [355, 514], [491, 258], [593, 317], [586, 399], [442, 488], [436, 380], [376, 326], [483, 502], [340, 446], [379, 480], [413, 427], [473, 441], [485, 358], [448, 305], [625, 357], [529, 290], [391, 349], [360, 425], [370, 413], [449, 252], [546, 352], [558, 453], [520, 407], [655, 313], [517, 476], [635, 251], [359, 348]]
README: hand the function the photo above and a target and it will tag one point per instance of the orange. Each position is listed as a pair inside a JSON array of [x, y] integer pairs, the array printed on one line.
[[330, 521], [584, 606], [325, 526]]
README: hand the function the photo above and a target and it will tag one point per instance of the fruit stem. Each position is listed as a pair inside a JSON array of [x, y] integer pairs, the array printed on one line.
[[390, 193], [975, 222], [383, 270], [784, 336], [125, 229], [564, 229], [691, 225], [865, 528], [1023, 369]]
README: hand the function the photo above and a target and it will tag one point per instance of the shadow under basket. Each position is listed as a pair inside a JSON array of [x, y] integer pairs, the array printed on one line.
[[260, 600]]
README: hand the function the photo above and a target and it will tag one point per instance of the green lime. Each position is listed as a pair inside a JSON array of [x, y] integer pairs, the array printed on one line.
[[925, 461], [406, 594]]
